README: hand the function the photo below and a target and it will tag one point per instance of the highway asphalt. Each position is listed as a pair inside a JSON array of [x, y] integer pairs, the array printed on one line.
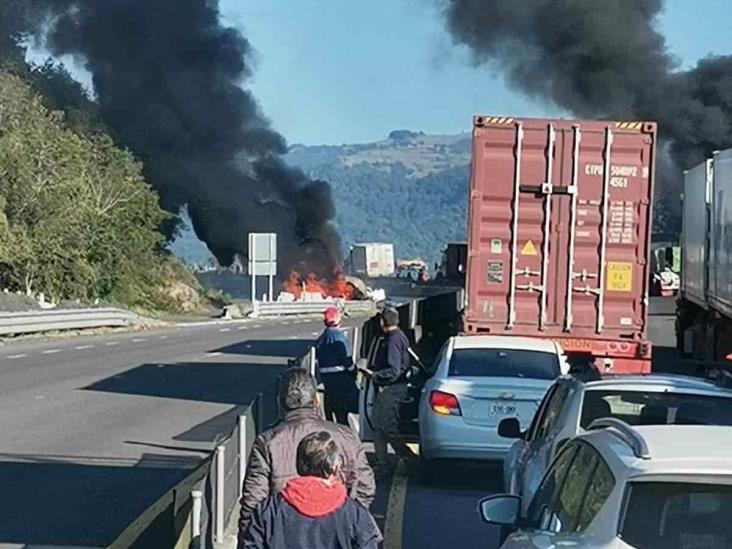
[[94, 429], [443, 513]]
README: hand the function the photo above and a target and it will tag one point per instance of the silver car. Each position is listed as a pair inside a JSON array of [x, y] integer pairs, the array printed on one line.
[[477, 382], [624, 487], [572, 404]]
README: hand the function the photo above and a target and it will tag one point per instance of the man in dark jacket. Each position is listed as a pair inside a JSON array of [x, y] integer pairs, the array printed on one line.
[[336, 369], [313, 511], [390, 375], [272, 460]]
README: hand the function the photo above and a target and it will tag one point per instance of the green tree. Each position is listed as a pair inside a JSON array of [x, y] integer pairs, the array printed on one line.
[[77, 218]]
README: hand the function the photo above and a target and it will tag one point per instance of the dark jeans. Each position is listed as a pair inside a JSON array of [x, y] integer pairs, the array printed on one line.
[[341, 396], [337, 405], [386, 423]]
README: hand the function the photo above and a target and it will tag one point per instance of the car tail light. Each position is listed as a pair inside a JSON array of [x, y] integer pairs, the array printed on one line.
[[444, 404]]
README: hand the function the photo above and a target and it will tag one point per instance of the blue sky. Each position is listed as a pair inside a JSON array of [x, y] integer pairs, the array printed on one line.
[[344, 71]]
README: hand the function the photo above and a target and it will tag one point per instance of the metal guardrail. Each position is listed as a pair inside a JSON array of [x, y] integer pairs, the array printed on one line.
[[29, 322], [195, 512], [276, 308]]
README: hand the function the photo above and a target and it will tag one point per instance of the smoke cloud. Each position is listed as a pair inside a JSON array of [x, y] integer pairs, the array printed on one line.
[[168, 76], [601, 60]]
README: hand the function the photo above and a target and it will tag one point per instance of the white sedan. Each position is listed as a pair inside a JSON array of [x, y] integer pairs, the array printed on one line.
[[477, 382]]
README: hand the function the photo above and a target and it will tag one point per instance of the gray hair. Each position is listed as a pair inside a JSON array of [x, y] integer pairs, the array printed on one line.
[[317, 455], [390, 317], [297, 389]]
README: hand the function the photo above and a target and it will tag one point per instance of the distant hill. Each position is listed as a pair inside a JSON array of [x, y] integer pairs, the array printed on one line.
[[409, 189]]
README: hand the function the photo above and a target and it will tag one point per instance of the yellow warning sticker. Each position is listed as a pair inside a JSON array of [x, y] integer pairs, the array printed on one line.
[[619, 277], [528, 248]]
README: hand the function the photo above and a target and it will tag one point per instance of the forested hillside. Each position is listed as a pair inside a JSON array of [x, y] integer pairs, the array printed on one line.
[[410, 189], [77, 218]]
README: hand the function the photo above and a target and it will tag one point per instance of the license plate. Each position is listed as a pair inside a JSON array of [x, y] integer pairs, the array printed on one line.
[[503, 410]]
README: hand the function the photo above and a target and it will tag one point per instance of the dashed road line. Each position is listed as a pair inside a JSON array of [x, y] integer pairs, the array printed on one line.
[[163, 337], [213, 354], [225, 330], [257, 326], [111, 343], [14, 357], [242, 328], [83, 347], [51, 351], [394, 523], [139, 340]]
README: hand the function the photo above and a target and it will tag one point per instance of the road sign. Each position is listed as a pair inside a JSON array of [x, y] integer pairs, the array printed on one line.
[[262, 252]]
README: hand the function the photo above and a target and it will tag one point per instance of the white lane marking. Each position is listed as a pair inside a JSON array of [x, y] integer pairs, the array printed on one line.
[[395, 509], [242, 328], [163, 337], [111, 343], [13, 357], [225, 330], [257, 326], [215, 353], [139, 340], [51, 351], [314, 333], [83, 347]]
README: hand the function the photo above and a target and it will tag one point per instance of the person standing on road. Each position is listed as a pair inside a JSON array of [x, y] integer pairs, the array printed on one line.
[[336, 369], [313, 511], [390, 376], [272, 461]]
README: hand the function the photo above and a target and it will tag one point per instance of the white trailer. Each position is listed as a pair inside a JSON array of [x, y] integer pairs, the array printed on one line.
[[372, 259]]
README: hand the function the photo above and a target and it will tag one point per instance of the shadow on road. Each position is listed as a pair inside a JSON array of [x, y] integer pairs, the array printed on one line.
[[225, 383], [450, 502], [72, 501], [288, 348]]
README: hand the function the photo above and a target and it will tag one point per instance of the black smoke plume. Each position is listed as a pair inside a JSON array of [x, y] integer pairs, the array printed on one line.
[[168, 82], [602, 59]]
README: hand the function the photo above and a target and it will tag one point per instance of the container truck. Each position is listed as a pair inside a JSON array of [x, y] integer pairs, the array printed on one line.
[[704, 304], [559, 235], [454, 262], [372, 259]]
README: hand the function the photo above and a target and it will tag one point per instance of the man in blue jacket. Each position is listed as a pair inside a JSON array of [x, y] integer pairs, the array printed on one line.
[[336, 369], [313, 511]]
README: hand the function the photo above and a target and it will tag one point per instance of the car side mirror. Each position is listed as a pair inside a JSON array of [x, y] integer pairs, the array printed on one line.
[[503, 510], [510, 428]]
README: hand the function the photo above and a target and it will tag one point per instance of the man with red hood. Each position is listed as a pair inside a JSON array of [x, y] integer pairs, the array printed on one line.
[[313, 511]]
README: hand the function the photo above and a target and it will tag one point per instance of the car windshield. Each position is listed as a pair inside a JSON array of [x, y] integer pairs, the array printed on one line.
[[657, 408], [503, 363], [677, 515]]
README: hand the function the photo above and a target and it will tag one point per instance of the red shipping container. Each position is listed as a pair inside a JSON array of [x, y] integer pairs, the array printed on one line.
[[559, 235]]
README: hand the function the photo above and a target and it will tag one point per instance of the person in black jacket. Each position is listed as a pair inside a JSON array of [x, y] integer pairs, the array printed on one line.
[[314, 510], [390, 376]]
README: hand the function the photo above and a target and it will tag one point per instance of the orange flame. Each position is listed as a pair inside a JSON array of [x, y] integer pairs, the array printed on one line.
[[338, 286]]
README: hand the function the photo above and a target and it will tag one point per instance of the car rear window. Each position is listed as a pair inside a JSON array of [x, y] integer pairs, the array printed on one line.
[[677, 515], [503, 363], [656, 408]]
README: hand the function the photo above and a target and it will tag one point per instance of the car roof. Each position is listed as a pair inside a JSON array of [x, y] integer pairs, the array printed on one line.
[[674, 449], [656, 383], [504, 342]]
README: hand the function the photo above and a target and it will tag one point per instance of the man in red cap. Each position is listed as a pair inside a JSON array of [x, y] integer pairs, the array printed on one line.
[[336, 369]]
